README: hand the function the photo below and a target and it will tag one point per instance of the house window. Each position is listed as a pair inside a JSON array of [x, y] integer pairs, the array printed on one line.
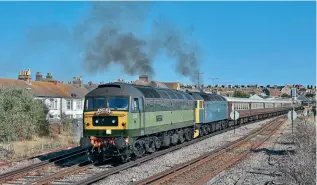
[[69, 104], [79, 104], [53, 103]]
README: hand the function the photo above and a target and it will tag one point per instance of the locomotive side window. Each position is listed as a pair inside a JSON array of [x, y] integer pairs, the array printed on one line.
[[135, 105], [200, 105]]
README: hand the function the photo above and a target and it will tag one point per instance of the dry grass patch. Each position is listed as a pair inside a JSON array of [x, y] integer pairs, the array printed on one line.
[[19, 150], [299, 168]]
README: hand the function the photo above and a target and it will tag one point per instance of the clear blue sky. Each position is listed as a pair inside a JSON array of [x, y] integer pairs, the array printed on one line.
[[242, 42]]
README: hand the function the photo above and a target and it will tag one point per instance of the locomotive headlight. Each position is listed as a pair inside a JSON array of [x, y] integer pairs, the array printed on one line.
[[96, 121], [113, 121]]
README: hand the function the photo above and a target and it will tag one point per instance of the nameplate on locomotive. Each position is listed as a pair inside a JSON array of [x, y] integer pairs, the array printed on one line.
[[103, 111], [159, 118]]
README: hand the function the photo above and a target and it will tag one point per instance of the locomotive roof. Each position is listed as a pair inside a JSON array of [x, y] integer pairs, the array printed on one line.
[[207, 97], [124, 89]]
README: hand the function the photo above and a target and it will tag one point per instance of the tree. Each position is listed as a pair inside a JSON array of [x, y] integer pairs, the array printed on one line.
[[268, 86], [21, 116], [285, 95], [241, 94], [266, 91], [229, 86]]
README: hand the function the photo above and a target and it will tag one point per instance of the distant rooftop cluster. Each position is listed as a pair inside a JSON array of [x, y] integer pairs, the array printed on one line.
[[48, 86]]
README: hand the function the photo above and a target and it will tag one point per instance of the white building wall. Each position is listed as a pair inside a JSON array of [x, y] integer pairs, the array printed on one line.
[[61, 105]]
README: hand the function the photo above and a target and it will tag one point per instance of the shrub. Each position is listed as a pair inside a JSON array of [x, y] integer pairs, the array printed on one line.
[[21, 116], [241, 94]]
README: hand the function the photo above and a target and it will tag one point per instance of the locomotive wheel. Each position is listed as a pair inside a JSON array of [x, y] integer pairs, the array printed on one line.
[[174, 139], [149, 145], [138, 149], [181, 138], [91, 157], [207, 129], [157, 142], [166, 140], [188, 134], [201, 132]]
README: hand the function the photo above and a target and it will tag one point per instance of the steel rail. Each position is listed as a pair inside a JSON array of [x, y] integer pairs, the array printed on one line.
[[130, 164], [187, 166], [62, 173], [12, 175]]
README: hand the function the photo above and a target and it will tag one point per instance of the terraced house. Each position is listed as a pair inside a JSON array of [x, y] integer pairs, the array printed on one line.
[[61, 99]]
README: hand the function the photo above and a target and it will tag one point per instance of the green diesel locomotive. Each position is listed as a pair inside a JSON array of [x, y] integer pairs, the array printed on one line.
[[125, 120]]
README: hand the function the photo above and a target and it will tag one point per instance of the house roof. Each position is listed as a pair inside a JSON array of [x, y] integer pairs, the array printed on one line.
[[302, 98], [172, 85], [159, 84], [46, 89], [140, 82], [256, 97], [90, 87]]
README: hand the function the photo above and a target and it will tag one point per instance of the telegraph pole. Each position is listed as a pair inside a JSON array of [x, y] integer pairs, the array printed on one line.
[[198, 76], [214, 80]]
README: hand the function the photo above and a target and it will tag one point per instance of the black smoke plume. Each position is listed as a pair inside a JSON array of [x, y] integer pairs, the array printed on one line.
[[120, 40], [112, 33]]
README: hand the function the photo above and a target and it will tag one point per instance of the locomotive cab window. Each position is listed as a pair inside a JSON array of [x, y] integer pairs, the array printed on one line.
[[114, 103], [118, 103], [95, 103]]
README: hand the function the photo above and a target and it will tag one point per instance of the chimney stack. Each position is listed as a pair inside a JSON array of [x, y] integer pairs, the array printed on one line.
[[38, 76], [25, 75], [77, 81], [144, 78], [49, 76]]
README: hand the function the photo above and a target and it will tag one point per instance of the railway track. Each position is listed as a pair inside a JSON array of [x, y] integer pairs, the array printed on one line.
[[87, 173], [198, 171], [113, 170], [26, 174]]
